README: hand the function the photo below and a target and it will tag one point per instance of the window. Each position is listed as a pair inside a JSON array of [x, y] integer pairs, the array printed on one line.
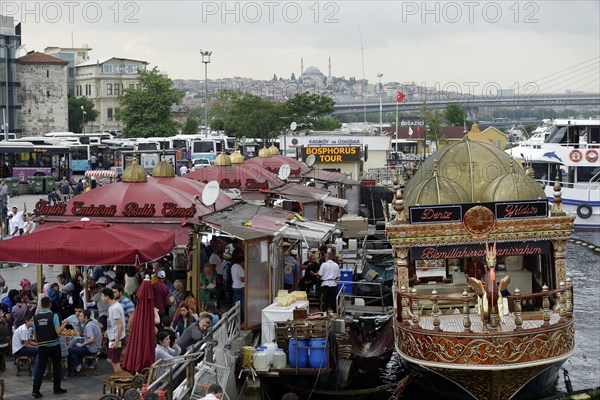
[[117, 89], [109, 89], [132, 86], [109, 114], [88, 89], [47, 73]]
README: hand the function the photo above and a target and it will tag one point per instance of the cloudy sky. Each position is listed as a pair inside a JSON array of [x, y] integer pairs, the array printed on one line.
[[509, 43]]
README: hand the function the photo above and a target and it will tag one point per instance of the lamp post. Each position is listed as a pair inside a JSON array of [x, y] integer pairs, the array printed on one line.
[[6, 118], [83, 119], [205, 60], [379, 75]]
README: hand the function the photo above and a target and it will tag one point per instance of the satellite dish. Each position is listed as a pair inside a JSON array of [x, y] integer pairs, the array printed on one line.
[[85, 219], [293, 126], [210, 193], [284, 172], [310, 160]]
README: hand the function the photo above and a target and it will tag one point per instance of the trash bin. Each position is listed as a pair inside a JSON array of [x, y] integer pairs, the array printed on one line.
[[35, 184], [13, 186], [49, 183]]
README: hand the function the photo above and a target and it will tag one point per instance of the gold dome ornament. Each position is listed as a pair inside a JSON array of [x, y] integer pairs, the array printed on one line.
[[264, 153], [163, 169], [436, 190], [135, 172], [515, 185], [236, 157], [222, 160], [274, 150]]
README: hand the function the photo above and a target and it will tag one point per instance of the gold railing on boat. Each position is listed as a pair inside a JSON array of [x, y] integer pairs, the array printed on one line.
[[410, 312]]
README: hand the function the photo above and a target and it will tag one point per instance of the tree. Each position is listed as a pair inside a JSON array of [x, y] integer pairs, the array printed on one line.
[[190, 126], [76, 116], [327, 124], [307, 109], [220, 108], [433, 122], [455, 114], [253, 116], [146, 111]]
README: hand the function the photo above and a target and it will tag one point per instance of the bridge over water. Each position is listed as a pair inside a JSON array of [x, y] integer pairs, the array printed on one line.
[[370, 106]]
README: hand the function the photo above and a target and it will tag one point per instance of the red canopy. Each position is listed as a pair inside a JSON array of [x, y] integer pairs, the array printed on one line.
[[140, 352], [160, 203], [88, 243], [239, 176], [273, 163]]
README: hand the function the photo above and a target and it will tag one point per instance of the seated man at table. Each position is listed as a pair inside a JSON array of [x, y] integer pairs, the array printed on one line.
[[74, 320], [92, 343]]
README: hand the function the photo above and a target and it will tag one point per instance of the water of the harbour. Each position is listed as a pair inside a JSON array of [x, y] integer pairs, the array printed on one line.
[[583, 366]]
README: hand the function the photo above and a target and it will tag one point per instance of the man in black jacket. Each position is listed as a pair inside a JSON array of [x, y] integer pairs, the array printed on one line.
[[46, 327]]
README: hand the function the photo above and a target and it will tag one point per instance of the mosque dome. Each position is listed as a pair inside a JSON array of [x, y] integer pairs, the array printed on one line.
[[135, 173], [222, 160], [513, 186], [236, 157], [312, 71], [163, 170], [471, 164]]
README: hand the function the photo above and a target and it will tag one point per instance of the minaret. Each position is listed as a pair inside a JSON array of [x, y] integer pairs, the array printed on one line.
[[329, 68], [301, 69]]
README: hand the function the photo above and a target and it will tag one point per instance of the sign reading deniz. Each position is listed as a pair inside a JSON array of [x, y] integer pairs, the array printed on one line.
[[131, 209], [332, 154], [455, 213]]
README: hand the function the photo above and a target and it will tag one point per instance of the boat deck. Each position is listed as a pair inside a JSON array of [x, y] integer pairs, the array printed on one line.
[[454, 322]]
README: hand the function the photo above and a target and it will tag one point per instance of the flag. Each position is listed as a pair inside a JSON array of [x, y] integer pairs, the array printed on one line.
[[418, 129], [410, 131], [400, 96]]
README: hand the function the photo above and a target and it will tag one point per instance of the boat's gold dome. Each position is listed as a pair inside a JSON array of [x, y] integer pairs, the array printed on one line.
[[470, 164], [163, 170], [264, 153], [236, 157], [436, 190], [274, 150], [135, 173], [222, 160], [513, 186]]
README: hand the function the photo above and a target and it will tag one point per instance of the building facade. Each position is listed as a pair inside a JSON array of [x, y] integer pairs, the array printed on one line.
[[10, 43], [74, 56], [103, 81], [43, 94]]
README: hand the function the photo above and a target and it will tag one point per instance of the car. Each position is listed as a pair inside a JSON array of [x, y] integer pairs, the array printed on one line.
[[201, 163]]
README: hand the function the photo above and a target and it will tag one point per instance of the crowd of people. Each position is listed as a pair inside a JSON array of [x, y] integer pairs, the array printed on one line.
[[99, 311]]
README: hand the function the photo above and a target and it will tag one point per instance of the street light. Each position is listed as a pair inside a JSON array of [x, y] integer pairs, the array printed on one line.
[[83, 119], [379, 75], [6, 117], [205, 60]]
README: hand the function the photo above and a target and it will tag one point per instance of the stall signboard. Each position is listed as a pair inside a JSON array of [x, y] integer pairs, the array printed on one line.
[[130, 210], [478, 250], [456, 213], [332, 154]]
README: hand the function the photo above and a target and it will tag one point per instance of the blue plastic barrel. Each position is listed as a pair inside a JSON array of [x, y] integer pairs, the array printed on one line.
[[298, 353], [317, 356], [345, 276]]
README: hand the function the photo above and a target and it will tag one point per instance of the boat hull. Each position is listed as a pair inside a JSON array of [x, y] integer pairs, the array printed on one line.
[[528, 383]]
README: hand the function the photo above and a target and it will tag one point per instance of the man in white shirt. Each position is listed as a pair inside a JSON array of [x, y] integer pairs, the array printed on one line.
[[17, 222], [238, 278], [22, 345], [183, 170], [329, 274], [115, 330], [213, 392]]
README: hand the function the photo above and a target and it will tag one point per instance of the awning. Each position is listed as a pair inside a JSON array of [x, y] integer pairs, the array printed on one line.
[[312, 231], [335, 201], [330, 176]]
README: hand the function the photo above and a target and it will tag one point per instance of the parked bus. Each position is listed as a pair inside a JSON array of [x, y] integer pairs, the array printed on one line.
[[24, 159], [210, 147]]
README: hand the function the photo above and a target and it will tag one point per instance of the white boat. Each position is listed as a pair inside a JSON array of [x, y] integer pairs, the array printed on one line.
[[571, 146]]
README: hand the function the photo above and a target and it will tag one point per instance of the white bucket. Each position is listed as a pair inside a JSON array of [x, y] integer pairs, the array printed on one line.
[[352, 244], [359, 302]]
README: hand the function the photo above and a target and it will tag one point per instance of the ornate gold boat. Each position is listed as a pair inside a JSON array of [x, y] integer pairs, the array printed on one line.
[[500, 337]]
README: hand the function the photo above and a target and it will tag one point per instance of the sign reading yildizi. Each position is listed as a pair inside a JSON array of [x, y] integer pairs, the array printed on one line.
[[331, 154]]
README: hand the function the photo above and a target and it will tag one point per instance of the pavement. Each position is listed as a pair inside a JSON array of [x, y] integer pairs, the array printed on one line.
[[82, 387]]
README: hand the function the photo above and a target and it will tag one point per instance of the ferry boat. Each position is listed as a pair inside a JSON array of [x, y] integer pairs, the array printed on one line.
[[504, 331], [571, 147]]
